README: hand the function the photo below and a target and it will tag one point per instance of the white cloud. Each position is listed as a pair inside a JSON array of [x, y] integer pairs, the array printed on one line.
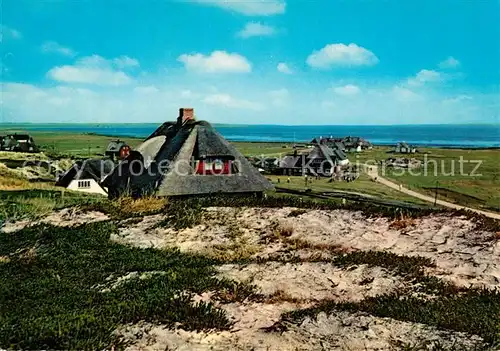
[[379, 104], [249, 7], [53, 47], [217, 61], [126, 62], [255, 29], [29, 103], [403, 94], [449, 63], [284, 68], [347, 90], [342, 55], [227, 100], [186, 94], [91, 70], [72, 74], [426, 76], [7, 33]]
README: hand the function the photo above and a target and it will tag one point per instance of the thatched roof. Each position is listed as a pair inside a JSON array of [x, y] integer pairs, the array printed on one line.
[[167, 129], [210, 144], [320, 152], [115, 146], [169, 165], [96, 169]]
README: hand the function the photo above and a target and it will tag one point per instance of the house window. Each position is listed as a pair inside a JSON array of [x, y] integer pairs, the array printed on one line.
[[84, 184], [215, 167]]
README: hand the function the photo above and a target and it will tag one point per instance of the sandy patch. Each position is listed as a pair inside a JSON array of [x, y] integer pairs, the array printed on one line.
[[314, 280], [338, 331], [463, 255], [142, 234], [68, 217]]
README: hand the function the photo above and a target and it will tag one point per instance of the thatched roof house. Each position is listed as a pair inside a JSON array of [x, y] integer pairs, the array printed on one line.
[[186, 157], [404, 148], [349, 143], [320, 160], [87, 176], [18, 143], [118, 149]]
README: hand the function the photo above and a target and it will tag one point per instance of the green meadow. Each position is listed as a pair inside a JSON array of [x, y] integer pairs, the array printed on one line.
[[442, 173]]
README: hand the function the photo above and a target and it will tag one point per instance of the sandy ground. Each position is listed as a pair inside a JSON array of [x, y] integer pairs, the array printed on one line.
[[67, 217], [286, 252], [463, 255], [340, 331]]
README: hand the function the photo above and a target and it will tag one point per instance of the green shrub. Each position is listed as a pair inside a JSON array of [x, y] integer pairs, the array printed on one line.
[[56, 297]]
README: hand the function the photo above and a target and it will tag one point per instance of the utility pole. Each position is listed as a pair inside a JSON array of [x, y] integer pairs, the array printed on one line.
[[436, 193]]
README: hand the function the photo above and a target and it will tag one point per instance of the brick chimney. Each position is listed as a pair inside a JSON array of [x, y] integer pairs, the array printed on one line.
[[185, 114]]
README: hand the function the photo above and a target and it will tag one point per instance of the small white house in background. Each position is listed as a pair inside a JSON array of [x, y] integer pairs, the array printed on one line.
[[86, 176]]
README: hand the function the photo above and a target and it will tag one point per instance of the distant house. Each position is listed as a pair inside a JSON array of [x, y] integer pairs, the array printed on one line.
[[117, 149], [18, 143], [349, 143], [404, 148], [338, 145], [86, 176], [321, 160], [402, 162]]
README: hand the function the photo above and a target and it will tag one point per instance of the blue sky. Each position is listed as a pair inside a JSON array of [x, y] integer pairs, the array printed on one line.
[[265, 62]]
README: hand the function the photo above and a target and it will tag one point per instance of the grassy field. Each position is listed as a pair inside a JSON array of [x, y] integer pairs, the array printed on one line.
[[89, 145], [479, 190], [362, 185], [464, 185]]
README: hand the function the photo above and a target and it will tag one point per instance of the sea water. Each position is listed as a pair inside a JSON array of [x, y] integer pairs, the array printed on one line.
[[475, 136]]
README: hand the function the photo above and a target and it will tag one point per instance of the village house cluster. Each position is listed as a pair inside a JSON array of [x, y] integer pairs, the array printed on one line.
[[189, 157], [322, 157], [182, 157]]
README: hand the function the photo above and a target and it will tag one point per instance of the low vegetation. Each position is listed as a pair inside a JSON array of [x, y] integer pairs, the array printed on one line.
[[36, 203], [56, 288], [474, 311], [58, 285]]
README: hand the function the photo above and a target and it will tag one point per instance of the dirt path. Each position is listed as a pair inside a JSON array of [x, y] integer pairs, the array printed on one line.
[[372, 172]]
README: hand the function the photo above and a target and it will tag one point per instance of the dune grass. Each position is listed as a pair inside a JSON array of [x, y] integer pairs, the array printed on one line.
[[56, 288], [475, 311], [32, 204]]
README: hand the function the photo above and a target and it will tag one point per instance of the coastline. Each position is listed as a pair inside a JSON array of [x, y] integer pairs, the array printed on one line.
[[483, 137]]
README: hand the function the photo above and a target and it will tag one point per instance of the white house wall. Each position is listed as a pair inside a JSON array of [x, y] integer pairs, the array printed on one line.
[[94, 187]]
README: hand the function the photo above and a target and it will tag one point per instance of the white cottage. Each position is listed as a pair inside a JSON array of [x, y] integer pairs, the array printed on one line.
[[86, 176]]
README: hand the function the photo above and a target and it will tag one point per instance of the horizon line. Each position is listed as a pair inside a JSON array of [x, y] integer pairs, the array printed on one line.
[[257, 124]]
